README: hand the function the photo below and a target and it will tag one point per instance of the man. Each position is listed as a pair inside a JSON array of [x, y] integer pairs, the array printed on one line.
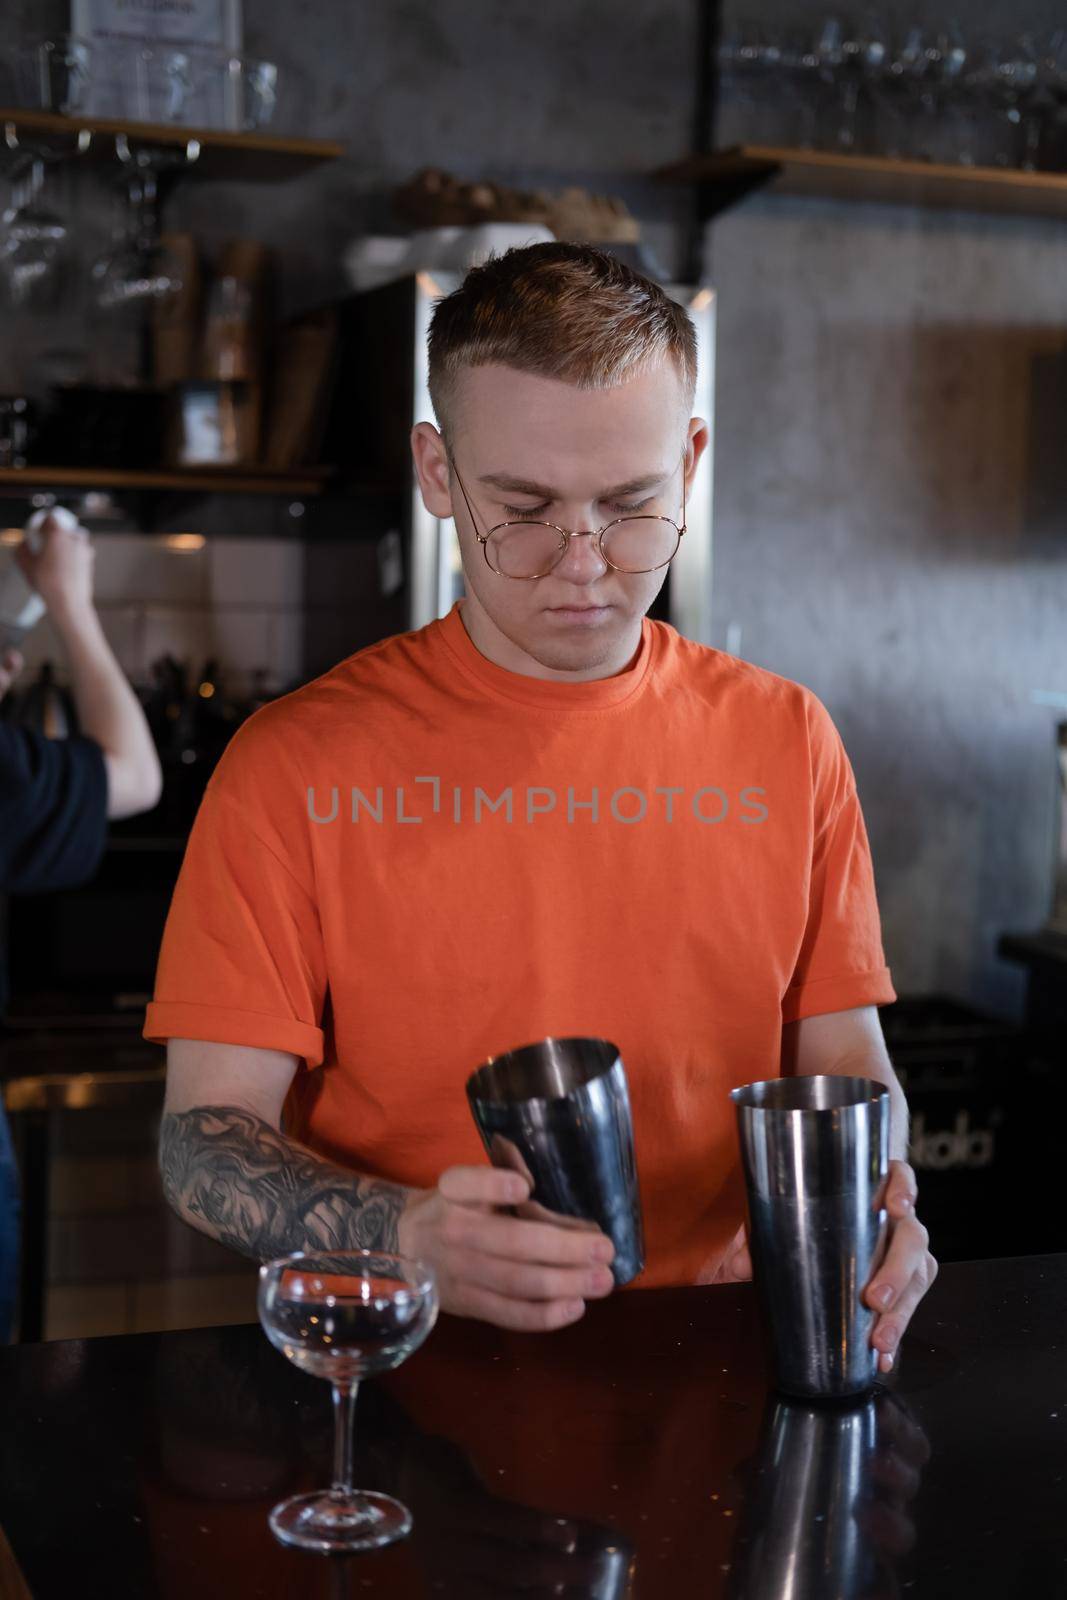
[[522, 821], [57, 794]]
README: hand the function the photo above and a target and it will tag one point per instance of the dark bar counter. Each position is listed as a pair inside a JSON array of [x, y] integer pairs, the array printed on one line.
[[639, 1453]]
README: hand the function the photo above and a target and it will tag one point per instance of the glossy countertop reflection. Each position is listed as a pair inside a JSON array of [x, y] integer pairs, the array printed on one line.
[[639, 1453]]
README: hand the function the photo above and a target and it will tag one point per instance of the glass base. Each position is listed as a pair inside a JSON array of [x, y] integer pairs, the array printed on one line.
[[324, 1521]]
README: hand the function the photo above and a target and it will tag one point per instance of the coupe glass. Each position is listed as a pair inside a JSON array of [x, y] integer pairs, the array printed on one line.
[[229, 91], [749, 57], [953, 136], [863, 61], [343, 1316], [1027, 67], [903, 95], [829, 53], [801, 87], [160, 77], [139, 268], [55, 74], [32, 242], [1003, 81], [1054, 69]]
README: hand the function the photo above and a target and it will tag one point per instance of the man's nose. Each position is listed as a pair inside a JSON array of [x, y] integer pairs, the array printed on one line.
[[582, 562]]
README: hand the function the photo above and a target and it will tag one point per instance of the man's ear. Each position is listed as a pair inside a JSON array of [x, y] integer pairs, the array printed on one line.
[[432, 469], [699, 440]]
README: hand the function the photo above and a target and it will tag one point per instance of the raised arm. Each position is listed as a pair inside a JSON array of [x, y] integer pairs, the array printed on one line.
[[108, 709], [228, 1170]]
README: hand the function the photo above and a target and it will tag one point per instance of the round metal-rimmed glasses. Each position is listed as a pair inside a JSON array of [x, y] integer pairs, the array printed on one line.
[[626, 543]]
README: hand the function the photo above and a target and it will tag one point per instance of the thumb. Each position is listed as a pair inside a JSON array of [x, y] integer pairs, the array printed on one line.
[[738, 1258], [736, 1264]]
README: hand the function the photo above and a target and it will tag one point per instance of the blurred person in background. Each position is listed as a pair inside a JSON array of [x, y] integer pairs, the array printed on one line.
[[57, 795]]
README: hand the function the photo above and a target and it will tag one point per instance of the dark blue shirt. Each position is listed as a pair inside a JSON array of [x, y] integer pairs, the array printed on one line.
[[53, 814], [53, 830]]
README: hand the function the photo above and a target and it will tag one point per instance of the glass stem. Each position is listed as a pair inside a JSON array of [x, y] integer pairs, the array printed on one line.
[[850, 99], [344, 1411]]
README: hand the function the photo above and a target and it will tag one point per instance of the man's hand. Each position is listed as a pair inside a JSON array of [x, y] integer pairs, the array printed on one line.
[[11, 664], [907, 1269], [737, 1263], [62, 570], [507, 1270]]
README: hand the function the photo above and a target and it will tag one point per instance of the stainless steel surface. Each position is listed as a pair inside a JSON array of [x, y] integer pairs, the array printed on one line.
[[815, 1152], [85, 1091], [559, 1111], [807, 1531]]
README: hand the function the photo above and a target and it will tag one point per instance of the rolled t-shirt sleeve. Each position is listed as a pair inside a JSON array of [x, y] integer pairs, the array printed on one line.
[[841, 962], [242, 958]]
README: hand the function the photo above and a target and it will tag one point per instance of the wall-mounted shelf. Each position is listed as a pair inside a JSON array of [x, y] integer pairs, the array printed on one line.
[[217, 154], [727, 176], [202, 480]]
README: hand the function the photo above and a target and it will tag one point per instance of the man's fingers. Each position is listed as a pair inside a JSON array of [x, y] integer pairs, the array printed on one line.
[[906, 1255], [889, 1328], [516, 1240], [547, 1244], [526, 1316], [901, 1477], [536, 1212], [902, 1430], [741, 1265], [482, 1186], [521, 1280], [902, 1192], [889, 1528], [736, 1264]]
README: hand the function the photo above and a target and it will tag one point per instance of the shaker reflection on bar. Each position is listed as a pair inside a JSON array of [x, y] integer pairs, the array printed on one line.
[[815, 1152], [559, 1112], [813, 1456]]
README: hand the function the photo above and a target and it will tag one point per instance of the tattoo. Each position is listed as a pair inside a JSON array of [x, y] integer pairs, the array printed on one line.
[[234, 1176]]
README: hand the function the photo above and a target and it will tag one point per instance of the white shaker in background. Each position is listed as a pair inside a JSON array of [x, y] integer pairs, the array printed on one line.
[[21, 607]]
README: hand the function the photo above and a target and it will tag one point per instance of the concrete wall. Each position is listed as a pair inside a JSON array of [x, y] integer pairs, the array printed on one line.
[[891, 506], [891, 529]]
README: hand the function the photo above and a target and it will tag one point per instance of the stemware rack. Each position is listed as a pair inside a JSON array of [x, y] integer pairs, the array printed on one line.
[[214, 153], [206, 153]]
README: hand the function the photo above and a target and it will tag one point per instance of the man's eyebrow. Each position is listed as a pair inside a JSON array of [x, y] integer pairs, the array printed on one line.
[[513, 485]]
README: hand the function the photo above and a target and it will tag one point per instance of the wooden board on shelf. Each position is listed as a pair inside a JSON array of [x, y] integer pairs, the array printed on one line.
[[202, 480], [728, 175], [245, 156]]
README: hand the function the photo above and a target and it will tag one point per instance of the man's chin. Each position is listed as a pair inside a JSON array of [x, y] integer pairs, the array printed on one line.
[[571, 649]]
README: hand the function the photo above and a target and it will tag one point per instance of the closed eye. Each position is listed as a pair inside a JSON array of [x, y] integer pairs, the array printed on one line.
[[538, 511]]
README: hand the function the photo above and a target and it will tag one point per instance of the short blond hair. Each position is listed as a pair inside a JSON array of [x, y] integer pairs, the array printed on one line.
[[558, 310]]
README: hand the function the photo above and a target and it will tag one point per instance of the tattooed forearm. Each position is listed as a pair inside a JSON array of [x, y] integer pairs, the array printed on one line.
[[234, 1176]]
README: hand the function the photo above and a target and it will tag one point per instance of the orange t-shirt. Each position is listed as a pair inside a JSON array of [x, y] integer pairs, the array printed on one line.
[[421, 859]]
